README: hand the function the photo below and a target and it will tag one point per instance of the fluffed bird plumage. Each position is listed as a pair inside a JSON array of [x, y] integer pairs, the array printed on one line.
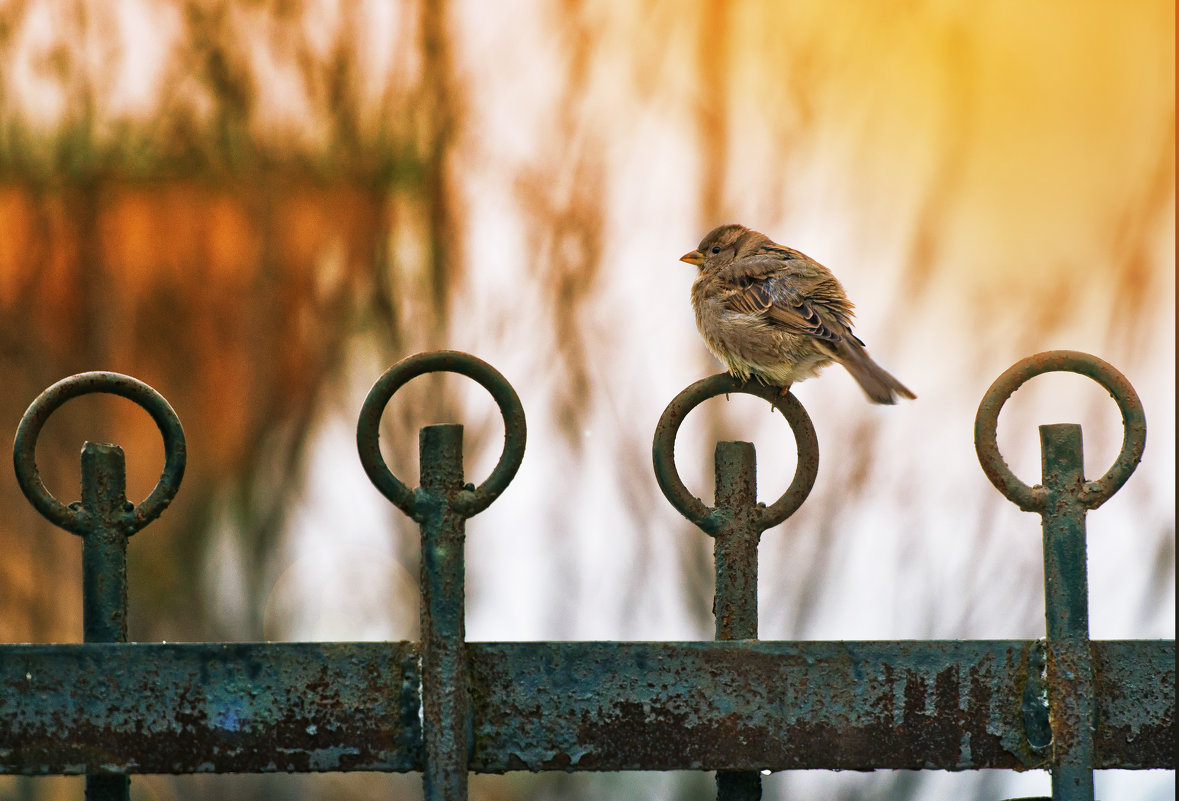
[[772, 313]]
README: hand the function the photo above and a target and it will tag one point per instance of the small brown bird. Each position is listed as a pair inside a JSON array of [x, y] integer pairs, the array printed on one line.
[[770, 312]]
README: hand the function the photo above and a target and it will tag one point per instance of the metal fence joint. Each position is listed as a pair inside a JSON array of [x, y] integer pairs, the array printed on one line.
[[1062, 499], [442, 505]]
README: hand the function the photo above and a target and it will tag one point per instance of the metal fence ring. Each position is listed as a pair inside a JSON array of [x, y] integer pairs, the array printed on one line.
[[24, 448], [663, 449], [1093, 493], [471, 502]]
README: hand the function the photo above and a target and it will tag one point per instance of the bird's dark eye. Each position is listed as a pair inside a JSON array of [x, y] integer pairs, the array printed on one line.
[[716, 248]]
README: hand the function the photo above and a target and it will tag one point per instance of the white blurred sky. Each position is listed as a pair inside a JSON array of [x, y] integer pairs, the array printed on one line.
[[908, 563]]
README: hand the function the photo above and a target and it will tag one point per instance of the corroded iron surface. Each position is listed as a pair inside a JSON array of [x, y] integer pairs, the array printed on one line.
[[1062, 499], [691, 507], [209, 708], [1093, 493], [24, 450], [470, 501], [946, 705], [278, 707], [444, 706]]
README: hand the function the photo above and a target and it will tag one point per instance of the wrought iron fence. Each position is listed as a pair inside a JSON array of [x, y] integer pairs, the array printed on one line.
[[445, 707]]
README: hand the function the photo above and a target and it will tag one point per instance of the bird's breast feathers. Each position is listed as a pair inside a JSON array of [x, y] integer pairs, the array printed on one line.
[[750, 345]]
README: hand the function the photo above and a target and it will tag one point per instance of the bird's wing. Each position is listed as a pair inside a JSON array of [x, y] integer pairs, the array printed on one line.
[[791, 293]]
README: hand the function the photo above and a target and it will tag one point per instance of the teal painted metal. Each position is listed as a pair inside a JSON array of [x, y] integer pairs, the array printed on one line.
[[104, 518], [737, 521], [104, 572], [663, 453], [73, 518], [735, 560], [1070, 662], [441, 506], [104, 545], [1062, 499], [741, 705], [445, 707], [447, 720], [209, 708], [599, 706], [470, 500]]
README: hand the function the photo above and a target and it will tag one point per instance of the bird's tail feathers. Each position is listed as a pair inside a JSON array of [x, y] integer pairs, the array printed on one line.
[[879, 384]]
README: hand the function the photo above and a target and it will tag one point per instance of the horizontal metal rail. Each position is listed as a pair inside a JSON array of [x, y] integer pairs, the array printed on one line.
[[604, 706]]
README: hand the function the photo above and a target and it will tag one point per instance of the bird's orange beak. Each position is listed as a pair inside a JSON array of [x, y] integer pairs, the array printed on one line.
[[695, 258]]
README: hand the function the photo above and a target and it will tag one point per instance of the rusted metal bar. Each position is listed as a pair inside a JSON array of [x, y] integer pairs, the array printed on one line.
[[735, 561], [601, 706], [1062, 499], [446, 721], [986, 422], [691, 507], [1071, 704], [940, 705], [104, 572], [104, 518], [441, 506], [735, 543], [737, 520], [73, 518], [104, 546], [472, 500], [209, 708]]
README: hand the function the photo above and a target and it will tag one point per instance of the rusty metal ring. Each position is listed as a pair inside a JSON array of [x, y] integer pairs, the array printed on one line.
[[24, 447], [663, 450], [470, 502], [1093, 493]]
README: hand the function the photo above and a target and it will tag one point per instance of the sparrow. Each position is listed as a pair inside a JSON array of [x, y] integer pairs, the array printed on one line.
[[771, 313]]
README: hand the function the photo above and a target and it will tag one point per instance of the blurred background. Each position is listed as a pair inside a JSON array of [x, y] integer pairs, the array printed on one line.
[[258, 206]]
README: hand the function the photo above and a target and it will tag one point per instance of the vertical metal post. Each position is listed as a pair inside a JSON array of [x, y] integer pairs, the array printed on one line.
[[441, 505], [735, 601], [446, 723], [104, 572], [1071, 702]]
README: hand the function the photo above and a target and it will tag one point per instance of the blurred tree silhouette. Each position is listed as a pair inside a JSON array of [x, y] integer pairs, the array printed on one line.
[[217, 251], [197, 248]]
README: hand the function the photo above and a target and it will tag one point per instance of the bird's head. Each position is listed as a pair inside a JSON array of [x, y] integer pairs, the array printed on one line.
[[719, 246]]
